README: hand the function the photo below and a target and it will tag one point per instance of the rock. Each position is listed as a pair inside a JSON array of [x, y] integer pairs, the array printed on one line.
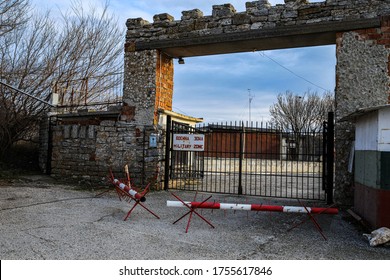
[[379, 236]]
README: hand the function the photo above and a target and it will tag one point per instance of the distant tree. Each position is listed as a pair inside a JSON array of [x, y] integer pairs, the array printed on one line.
[[303, 116], [38, 51], [301, 113]]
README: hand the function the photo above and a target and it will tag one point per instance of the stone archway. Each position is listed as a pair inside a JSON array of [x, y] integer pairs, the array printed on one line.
[[360, 30]]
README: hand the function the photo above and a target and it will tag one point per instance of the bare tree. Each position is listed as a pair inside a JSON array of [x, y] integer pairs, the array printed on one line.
[[12, 14], [302, 116], [93, 48], [41, 52], [300, 113]]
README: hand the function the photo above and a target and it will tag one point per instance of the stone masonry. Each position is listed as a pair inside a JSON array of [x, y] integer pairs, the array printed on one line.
[[358, 27], [86, 146], [259, 15]]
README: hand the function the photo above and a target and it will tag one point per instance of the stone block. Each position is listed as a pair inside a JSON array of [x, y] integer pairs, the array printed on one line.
[[133, 23], [67, 131], [200, 24], [274, 17], [191, 14], [91, 131], [241, 18], [75, 131], [313, 10], [257, 4], [187, 26], [109, 128], [163, 17], [257, 25], [290, 14], [226, 21], [83, 131], [127, 112], [222, 11], [107, 123], [294, 4]]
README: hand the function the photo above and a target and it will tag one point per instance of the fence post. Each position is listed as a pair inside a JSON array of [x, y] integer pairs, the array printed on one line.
[[324, 154], [330, 158], [50, 145], [167, 152], [241, 156]]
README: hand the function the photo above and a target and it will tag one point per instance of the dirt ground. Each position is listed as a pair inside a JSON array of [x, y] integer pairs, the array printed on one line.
[[41, 218]]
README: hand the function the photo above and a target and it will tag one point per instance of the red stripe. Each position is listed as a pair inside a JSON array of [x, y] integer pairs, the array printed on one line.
[[332, 211], [272, 208], [127, 189], [209, 205]]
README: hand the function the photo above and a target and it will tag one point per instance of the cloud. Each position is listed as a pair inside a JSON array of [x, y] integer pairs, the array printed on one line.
[[216, 87]]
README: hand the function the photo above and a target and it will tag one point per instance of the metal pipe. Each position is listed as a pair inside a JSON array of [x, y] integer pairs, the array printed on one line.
[[27, 94]]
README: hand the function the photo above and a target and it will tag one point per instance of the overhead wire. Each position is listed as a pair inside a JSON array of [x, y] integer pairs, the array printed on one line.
[[262, 53]]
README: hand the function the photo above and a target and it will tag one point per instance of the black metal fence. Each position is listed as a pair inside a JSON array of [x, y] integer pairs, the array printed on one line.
[[258, 160]]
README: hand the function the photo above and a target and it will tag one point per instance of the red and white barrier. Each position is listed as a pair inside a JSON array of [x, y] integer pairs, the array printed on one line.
[[253, 207], [129, 190]]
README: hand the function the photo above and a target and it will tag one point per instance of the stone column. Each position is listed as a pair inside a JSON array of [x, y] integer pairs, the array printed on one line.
[[148, 86], [362, 80], [140, 84]]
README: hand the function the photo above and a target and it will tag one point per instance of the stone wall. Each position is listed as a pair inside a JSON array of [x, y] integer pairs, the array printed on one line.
[[224, 19], [44, 131], [84, 149], [87, 151], [363, 80]]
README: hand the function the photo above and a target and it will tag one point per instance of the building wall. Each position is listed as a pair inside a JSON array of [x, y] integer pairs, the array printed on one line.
[[164, 83], [258, 145], [372, 168], [362, 80]]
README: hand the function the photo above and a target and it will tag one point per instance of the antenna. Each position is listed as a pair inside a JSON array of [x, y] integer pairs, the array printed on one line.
[[250, 96]]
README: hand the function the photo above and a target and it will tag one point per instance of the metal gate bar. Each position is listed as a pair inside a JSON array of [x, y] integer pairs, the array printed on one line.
[[257, 160]]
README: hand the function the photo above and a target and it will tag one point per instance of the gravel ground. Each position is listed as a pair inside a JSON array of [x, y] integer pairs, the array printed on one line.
[[43, 219]]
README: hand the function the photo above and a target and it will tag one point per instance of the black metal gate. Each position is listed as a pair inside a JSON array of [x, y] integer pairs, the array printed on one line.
[[258, 160]]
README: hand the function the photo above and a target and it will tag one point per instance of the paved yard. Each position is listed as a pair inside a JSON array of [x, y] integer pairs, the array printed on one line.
[[43, 219]]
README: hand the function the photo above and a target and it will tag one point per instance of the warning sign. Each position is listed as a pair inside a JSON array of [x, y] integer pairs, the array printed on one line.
[[188, 142]]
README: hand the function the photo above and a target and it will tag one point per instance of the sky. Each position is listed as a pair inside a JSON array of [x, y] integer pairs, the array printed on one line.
[[230, 87]]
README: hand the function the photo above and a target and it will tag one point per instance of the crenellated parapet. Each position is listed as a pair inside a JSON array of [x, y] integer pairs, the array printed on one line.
[[259, 16]]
